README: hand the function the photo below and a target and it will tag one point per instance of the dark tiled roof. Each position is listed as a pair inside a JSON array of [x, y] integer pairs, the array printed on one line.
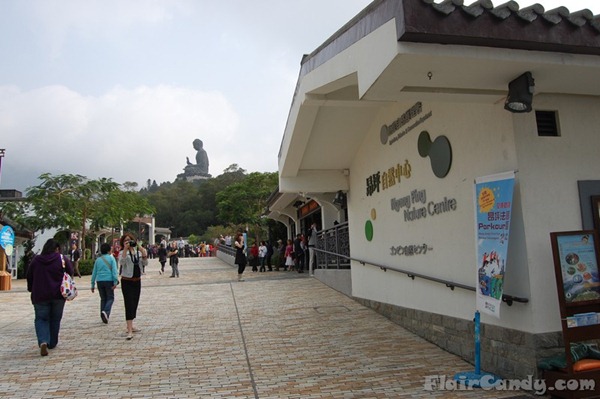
[[528, 14], [507, 26], [477, 24]]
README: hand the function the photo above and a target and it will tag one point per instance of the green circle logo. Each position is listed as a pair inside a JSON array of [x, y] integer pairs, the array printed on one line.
[[369, 230]]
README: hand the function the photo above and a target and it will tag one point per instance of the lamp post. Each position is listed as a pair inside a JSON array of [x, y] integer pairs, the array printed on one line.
[[2, 151]]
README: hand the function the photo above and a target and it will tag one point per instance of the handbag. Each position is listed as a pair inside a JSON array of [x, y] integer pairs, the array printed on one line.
[[67, 288]]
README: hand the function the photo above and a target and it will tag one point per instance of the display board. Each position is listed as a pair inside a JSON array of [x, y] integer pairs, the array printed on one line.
[[576, 257]]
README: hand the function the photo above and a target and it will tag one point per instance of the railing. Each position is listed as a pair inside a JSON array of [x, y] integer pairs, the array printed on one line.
[[509, 299], [333, 247], [226, 249], [333, 252]]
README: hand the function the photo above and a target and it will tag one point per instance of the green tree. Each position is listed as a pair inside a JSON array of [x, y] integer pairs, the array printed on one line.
[[191, 207], [244, 202], [119, 207], [73, 202], [193, 239]]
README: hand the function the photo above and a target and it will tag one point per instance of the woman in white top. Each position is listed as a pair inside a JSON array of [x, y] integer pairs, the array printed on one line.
[[130, 261], [262, 256]]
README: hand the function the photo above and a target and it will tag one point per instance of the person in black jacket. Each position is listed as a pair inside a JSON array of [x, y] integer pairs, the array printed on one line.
[[74, 257], [240, 256], [162, 257], [174, 259], [269, 255], [299, 253]]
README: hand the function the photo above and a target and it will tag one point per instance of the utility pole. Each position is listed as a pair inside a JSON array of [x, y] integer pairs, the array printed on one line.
[[2, 150]]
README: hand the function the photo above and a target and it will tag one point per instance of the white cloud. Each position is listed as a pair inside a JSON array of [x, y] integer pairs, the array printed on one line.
[[121, 88], [57, 20], [127, 135]]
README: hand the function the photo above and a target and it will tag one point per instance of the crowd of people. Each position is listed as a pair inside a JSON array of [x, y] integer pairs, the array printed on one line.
[[124, 264], [185, 250], [293, 255]]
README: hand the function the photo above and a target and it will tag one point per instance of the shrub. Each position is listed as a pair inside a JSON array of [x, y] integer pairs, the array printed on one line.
[[25, 259], [86, 266]]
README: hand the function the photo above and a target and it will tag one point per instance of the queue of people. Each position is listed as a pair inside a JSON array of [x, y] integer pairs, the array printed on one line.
[[293, 255], [185, 250]]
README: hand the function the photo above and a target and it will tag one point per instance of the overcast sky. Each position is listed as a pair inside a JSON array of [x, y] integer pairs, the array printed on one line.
[[121, 88]]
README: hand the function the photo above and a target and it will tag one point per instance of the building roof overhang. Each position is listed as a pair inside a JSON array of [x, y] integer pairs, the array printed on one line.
[[417, 50]]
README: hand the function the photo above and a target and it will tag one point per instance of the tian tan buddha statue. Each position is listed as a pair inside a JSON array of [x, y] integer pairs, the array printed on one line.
[[200, 168]]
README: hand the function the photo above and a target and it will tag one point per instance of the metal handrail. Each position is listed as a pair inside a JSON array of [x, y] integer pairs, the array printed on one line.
[[226, 249], [508, 299]]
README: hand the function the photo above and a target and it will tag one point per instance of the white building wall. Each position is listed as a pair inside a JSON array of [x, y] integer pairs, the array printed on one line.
[[482, 143], [549, 168]]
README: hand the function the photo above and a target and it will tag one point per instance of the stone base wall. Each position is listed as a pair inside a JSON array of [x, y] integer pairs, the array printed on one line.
[[339, 280], [505, 352], [226, 257]]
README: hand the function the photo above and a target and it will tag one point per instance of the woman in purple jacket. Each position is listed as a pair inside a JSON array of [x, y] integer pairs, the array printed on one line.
[[44, 278]]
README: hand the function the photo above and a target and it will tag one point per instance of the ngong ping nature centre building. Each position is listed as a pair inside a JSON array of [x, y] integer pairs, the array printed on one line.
[[396, 121]]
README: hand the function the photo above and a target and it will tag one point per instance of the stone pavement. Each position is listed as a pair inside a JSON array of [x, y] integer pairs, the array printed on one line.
[[205, 335]]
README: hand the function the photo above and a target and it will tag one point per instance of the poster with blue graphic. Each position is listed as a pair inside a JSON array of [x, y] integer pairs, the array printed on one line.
[[579, 266], [7, 239], [493, 207]]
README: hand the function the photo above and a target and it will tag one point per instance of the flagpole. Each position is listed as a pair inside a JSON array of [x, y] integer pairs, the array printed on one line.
[[477, 379]]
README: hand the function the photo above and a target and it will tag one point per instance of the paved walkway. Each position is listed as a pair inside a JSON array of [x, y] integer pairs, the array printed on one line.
[[205, 335]]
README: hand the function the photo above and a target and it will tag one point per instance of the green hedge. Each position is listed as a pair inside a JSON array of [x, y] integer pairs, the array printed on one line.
[[86, 267]]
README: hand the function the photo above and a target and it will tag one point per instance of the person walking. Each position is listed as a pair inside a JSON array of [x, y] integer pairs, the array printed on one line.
[[162, 257], [130, 261], [44, 278], [75, 255], [145, 247], [240, 256], [173, 255], [106, 277]]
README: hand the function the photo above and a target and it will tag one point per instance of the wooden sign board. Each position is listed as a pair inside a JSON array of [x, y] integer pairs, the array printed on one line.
[[576, 266]]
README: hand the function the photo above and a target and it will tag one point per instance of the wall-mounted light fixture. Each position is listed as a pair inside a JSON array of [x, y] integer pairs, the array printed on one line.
[[340, 199], [520, 94]]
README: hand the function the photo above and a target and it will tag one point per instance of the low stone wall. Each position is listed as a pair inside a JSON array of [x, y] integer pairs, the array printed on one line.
[[504, 352], [226, 257], [339, 280]]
